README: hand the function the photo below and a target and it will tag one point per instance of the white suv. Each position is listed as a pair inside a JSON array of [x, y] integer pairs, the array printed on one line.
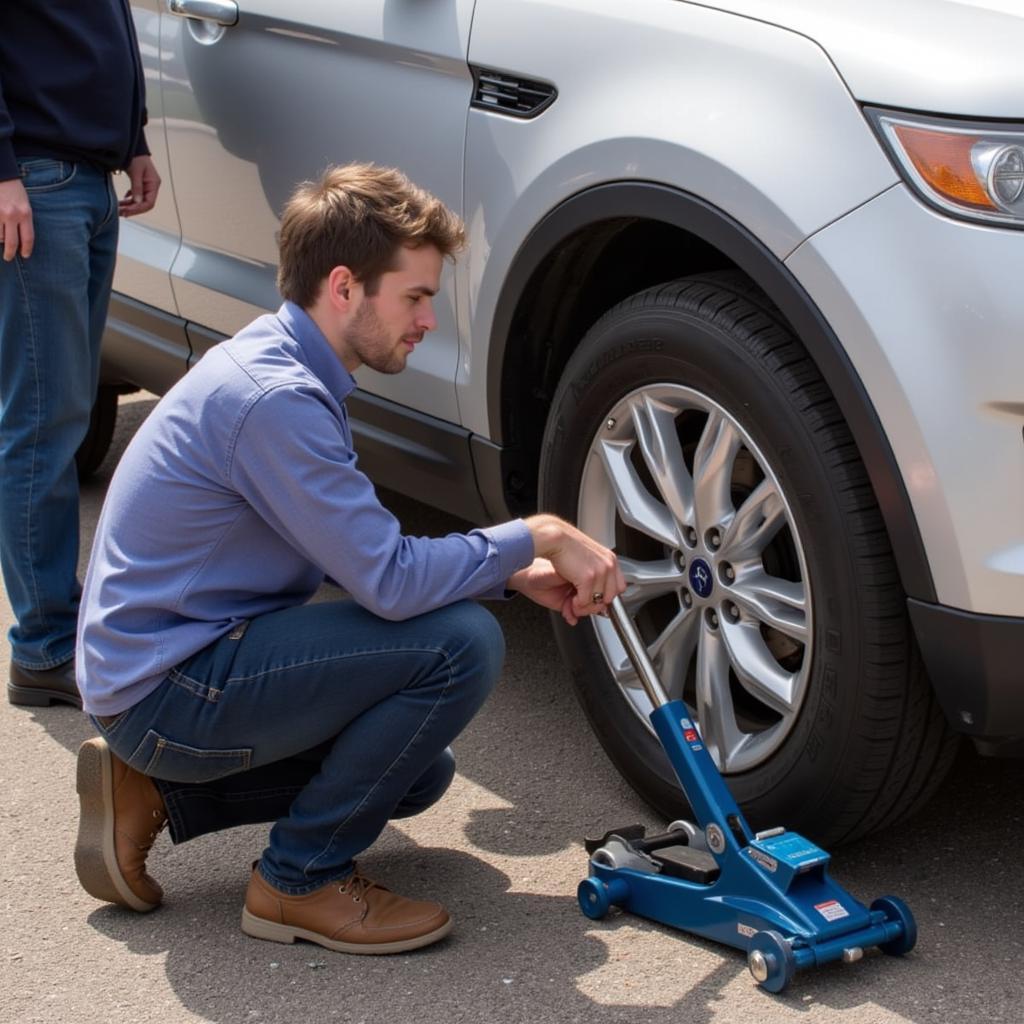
[[743, 298]]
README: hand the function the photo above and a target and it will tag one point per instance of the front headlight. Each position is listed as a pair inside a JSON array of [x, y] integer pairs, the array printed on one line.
[[970, 169]]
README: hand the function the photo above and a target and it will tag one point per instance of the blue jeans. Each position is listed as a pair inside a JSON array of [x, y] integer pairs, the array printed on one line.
[[324, 719], [53, 306]]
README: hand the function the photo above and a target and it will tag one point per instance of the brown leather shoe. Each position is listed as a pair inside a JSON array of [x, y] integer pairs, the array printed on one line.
[[351, 916], [121, 815], [39, 688]]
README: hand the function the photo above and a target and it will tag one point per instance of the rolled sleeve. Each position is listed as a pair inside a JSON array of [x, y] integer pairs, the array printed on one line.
[[513, 544]]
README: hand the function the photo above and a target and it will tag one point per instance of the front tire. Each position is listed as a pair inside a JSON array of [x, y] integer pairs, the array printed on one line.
[[692, 433]]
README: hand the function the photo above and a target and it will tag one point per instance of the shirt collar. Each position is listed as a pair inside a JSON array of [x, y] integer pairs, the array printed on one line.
[[320, 357]]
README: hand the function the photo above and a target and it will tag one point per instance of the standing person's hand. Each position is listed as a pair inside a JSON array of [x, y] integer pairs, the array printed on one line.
[[141, 194], [590, 567], [16, 231]]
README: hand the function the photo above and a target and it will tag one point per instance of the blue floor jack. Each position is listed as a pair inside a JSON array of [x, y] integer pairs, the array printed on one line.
[[768, 894]]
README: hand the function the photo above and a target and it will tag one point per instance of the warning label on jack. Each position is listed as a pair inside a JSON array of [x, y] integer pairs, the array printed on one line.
[[831, 910]]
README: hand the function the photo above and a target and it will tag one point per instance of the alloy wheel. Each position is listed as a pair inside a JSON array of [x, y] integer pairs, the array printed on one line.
[[718, 584]]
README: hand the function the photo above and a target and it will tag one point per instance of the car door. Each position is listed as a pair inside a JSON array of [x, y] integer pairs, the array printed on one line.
[[262, 94], [145, 343]]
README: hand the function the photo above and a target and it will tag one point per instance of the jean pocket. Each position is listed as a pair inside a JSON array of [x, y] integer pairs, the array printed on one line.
[[44, 175], [162, 758]]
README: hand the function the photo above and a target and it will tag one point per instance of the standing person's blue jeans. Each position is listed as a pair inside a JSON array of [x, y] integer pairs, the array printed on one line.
[[53, 306], [322, 718]]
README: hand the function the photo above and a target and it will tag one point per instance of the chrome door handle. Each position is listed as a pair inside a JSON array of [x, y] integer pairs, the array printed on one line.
[[221, 12]]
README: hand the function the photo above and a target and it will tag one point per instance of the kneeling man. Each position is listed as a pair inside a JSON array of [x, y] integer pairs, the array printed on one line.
[[222, 697]]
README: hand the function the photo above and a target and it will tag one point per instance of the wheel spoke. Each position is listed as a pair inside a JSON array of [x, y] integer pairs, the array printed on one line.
[[648, 580], [637, 506], [658, 441], [781, 604], [671, 652], [756, 668], [674, 649], [716, 715], [712, 471], [622, 668], [755, 523]]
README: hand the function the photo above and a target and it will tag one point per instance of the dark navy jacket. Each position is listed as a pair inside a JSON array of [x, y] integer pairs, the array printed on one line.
[[71, 83]]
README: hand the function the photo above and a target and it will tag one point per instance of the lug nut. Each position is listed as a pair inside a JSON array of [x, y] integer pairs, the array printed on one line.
[[712, 618], [728, 573], [680, 560], [714, 539], [687, 599], [691, 536]]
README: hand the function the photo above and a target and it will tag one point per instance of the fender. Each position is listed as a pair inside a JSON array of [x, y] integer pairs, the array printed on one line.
[[649, 201]]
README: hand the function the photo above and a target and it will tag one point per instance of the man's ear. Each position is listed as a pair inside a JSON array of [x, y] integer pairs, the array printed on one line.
[[343, 289]]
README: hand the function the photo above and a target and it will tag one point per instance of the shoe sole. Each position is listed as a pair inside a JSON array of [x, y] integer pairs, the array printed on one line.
[[38, 697], [95, 859], [261, 928]]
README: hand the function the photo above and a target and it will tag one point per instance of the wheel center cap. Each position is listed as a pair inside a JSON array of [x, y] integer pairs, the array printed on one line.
[[701, 579]]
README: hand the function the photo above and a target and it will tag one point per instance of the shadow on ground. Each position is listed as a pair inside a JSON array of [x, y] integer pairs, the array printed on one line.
[[530, 955]]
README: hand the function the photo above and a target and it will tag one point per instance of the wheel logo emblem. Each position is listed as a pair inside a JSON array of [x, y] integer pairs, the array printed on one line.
[[700, 578]]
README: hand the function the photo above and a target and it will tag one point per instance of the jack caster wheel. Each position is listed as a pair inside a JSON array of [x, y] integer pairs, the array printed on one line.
[[771, 961], [593, 898], [896, 910]]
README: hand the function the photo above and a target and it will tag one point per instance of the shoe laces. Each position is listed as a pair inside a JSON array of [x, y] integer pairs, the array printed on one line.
[[159, 825], [356, 886]]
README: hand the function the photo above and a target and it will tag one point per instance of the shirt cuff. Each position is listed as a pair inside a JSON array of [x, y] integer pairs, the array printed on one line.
[[9, 169], [141, 146], [514, 545]]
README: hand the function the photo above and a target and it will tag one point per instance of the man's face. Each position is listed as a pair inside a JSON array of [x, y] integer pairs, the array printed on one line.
[[387, 326]]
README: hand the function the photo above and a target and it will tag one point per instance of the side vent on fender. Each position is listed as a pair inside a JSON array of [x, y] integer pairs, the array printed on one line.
[[506, 94]]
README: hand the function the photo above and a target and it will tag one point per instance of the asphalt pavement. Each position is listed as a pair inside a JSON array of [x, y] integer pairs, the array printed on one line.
[[504, 852]]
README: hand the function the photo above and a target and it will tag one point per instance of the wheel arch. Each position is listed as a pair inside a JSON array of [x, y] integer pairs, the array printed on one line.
[[610, 241]]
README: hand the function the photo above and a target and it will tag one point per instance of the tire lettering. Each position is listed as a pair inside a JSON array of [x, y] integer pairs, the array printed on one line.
[[613, 355], [825, 717], [829, 683]]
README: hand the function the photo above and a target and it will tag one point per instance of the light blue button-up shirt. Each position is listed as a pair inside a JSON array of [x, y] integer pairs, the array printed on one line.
[[236, 497]]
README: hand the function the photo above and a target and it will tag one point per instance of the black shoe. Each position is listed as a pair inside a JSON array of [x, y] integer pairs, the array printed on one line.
[[39, 688]]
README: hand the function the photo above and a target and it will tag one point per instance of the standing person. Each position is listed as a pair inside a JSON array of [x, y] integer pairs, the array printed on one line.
[[223, 698], [72, 110]]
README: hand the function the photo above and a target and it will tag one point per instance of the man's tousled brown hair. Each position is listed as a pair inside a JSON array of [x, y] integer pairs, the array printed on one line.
[[358, 216]]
